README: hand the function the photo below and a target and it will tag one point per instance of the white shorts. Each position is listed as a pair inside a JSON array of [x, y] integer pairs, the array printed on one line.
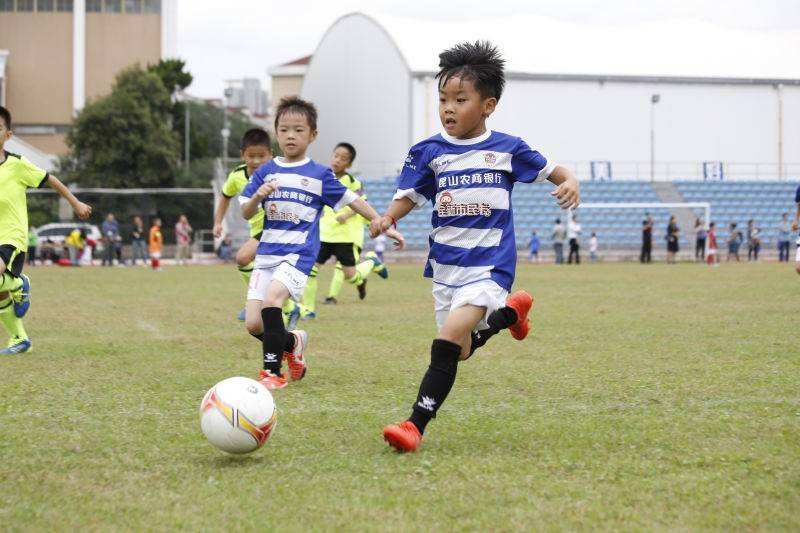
[[484, 293], [797, 254], [286, 274]]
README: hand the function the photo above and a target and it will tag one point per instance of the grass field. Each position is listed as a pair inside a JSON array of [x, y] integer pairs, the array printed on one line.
[[648, 398]]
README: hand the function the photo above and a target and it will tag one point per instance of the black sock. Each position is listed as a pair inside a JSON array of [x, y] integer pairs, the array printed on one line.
[[274, 339], [290, 342], [436, 383], [498, 319]]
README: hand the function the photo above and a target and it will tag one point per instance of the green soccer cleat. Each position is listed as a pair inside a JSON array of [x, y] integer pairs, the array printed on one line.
[[379, 268], [17, 346]]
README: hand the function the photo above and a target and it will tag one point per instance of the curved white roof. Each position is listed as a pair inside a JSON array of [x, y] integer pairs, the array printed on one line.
[[541, 45]]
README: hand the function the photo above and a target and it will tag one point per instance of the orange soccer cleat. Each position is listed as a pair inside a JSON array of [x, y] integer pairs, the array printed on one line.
[[404, 437], [294, 359], [271, 381], [521, 302]]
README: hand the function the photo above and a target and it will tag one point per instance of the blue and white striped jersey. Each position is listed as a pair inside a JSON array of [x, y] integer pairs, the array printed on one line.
[[291, 213], [469, 183]]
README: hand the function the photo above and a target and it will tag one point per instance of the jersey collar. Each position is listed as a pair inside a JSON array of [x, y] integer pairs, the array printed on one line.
[[281, 162], [475, 140]]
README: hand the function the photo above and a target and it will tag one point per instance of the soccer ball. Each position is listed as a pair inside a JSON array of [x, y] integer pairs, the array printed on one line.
[[237, 415]]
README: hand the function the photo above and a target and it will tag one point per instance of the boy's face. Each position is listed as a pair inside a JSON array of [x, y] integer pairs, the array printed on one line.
[[254, 156], [340, 160], [294, 135], [462, 109]]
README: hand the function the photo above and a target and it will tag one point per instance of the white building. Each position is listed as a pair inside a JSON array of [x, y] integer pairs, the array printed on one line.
[[247, 93], [372, 80]]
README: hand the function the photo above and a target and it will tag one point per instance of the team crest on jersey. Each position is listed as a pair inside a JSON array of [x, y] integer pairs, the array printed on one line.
[[490, 158], [304, 182], [448, 208], [273, 213]]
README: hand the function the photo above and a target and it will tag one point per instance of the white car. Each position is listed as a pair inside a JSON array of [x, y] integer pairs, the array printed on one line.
[[57, 232]]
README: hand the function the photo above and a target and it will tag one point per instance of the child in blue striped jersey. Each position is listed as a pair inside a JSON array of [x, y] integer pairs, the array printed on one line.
[[468, 172], [292, 191]]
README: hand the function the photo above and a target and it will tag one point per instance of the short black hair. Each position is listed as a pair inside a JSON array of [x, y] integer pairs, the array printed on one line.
[[479, 61], [255, 137], [349, 147], [295, 104], [5, 114]]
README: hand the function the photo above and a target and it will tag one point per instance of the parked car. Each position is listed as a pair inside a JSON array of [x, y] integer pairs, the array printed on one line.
[[57, 232]]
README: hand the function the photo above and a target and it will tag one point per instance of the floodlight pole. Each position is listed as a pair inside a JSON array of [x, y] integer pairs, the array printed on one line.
[[226, 132], [654, 99]]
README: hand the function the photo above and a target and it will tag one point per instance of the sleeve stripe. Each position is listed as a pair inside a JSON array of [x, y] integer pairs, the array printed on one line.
[[547, 170], [226, 196], [44, 181]]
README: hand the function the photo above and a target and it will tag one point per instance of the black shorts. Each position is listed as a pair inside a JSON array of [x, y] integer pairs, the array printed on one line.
[[343, 251], [13, 258]]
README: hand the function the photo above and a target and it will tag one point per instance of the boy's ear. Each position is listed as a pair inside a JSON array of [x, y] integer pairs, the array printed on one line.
[[314, 134], [489, 106]]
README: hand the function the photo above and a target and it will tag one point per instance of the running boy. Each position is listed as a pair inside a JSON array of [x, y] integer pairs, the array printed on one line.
[[342, 236], [292, 191], [17, 174], [467, 173], [255, 150]]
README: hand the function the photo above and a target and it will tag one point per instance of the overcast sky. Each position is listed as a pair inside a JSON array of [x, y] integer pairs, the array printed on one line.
[[243, 38]]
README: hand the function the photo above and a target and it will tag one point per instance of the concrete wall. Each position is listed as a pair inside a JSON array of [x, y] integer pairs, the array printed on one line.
[[39, 69], [109, 40]]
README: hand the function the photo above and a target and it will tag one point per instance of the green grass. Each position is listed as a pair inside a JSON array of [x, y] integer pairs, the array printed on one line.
[[648, 398]]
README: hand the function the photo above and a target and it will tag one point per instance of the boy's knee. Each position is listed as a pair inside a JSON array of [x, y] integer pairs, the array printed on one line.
[[254, 325], [797, 268], [243, 258]]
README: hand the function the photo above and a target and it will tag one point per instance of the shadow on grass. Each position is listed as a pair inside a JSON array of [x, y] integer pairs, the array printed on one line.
[[226, 461]]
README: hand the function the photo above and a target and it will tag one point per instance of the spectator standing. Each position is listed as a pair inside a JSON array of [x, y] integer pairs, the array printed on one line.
[[534, 246], [711, 256], [593, 248], [573, 234], [110, 230], [673, 233], [735, 239], [156, 244], [380, 246], [647, 239], [753, 240], [784, 234], [138, 245], [183, 238], [33, 244], [558, 236], [699, 240]]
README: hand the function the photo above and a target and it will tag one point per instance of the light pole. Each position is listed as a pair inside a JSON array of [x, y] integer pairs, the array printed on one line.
[[654, 99], [182, 97], [226, 132]]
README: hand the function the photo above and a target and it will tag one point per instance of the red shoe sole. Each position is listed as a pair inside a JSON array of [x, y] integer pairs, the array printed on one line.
[[521, 329], [398, 440]]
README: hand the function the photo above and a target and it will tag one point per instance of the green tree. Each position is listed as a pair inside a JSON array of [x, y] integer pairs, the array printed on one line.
[[172, 74], [125, 139]]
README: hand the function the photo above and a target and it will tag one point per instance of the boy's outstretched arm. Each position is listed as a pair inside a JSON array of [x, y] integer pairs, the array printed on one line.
[[567, 191], [397, 209], [81, 209], [365, 210], [219, 214]]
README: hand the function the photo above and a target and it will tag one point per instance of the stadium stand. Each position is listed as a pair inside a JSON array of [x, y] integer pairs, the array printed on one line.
[[620, 229]]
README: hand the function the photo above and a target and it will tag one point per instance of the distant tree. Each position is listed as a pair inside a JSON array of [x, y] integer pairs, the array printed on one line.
[[125, 139]]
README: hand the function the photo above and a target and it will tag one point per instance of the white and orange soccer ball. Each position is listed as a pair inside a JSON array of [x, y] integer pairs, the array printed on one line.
[[238, 415]]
